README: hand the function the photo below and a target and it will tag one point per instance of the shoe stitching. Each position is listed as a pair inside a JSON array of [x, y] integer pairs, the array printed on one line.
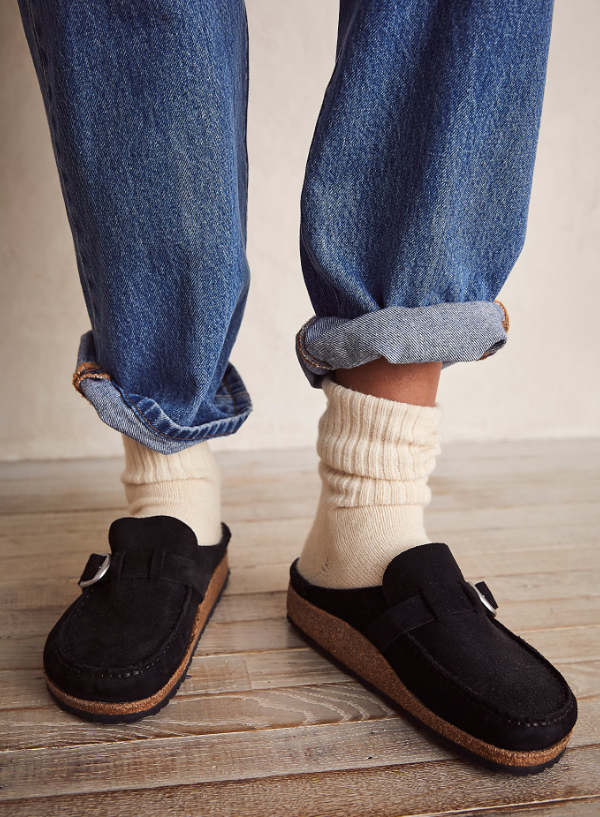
[[466, 690], [477, 699], [124, 672]]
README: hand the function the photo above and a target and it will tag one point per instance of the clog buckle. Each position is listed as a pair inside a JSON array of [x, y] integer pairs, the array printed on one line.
[[102, 571]]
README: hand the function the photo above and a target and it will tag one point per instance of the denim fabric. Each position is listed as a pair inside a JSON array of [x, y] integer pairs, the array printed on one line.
[[146, 101], [403, 335], [413, 208], [417, 185], [143, 419]]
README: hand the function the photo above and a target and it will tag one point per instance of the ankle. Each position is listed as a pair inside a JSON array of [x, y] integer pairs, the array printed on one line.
[[375, 459], [185, 485], [351, 547]]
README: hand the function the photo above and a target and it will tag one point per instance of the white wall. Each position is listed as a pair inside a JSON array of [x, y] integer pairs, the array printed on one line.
[[545, 382]]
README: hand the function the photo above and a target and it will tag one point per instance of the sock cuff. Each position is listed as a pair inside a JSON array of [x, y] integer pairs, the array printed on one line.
[[144, 466], [368, 436]]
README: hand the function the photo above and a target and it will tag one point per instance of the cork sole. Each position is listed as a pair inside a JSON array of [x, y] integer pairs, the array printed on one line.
[[128, 711], [348, 647]]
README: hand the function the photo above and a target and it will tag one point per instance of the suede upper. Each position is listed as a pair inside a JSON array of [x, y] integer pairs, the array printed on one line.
[[126, 634], [452, 653]]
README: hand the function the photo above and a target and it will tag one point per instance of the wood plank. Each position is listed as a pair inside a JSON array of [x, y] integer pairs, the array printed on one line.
[[256, 544], [224, 636], [521, 602], [540, 586], [213, 673], [187, 714], [207, 675], [210, 758], [582, 456], [248, 707], [289, 481], [239, 672], [84, 531], [572, 559], [417, 788], [18, 600], [233, 629], [579, 807], [234, 756], [452, 510], [270, 573]]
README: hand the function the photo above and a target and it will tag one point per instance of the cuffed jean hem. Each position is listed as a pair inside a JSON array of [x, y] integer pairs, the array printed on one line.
[[142, 419], [448, 332]]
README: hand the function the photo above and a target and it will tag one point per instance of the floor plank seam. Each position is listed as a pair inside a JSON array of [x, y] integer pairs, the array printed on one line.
[[443, 761], [520, 806]]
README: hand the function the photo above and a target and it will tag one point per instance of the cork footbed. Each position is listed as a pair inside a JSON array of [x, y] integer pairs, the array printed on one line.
[[108, 708], [348, 646]]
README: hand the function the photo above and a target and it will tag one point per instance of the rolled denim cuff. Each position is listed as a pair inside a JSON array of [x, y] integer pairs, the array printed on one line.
[[142, 418], [447, 332]]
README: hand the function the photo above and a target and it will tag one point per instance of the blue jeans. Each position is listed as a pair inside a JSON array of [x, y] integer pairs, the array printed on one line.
[[413, 209]]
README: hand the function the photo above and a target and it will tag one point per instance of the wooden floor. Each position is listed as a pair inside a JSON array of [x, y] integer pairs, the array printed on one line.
[[263, 725]]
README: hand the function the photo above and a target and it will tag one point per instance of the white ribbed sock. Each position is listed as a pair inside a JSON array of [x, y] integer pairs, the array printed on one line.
[[375, 458], [186, 485]]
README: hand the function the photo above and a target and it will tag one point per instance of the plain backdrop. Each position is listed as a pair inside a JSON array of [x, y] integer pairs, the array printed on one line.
[[543, 384]]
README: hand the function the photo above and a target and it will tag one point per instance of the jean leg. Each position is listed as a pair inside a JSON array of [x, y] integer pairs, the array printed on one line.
[[415, 199], [146, 102]]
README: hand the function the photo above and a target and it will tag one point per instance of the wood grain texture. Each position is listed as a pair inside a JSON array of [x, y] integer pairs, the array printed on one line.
[[445, 786], [256, 635], [581, 807], [340, 700], [262, 722], [235, 755], [241, 672]]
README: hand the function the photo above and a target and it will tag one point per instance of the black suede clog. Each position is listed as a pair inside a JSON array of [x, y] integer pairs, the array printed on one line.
[[429, 642], [121, 650]]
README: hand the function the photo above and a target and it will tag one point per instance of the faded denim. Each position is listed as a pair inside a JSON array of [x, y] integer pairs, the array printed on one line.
[[413, 209], [417, 186]]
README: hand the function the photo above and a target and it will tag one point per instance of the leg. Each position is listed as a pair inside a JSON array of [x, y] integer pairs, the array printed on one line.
[[414, 383], [417, 184], [413, 212], [147, 109]]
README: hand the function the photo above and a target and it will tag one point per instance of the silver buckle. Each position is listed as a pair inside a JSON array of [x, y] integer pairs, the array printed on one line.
[[483, 599], [102, 570]]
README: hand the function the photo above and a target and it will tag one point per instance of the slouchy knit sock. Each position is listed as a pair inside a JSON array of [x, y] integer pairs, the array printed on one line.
[[186, 485], [375, 459]]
